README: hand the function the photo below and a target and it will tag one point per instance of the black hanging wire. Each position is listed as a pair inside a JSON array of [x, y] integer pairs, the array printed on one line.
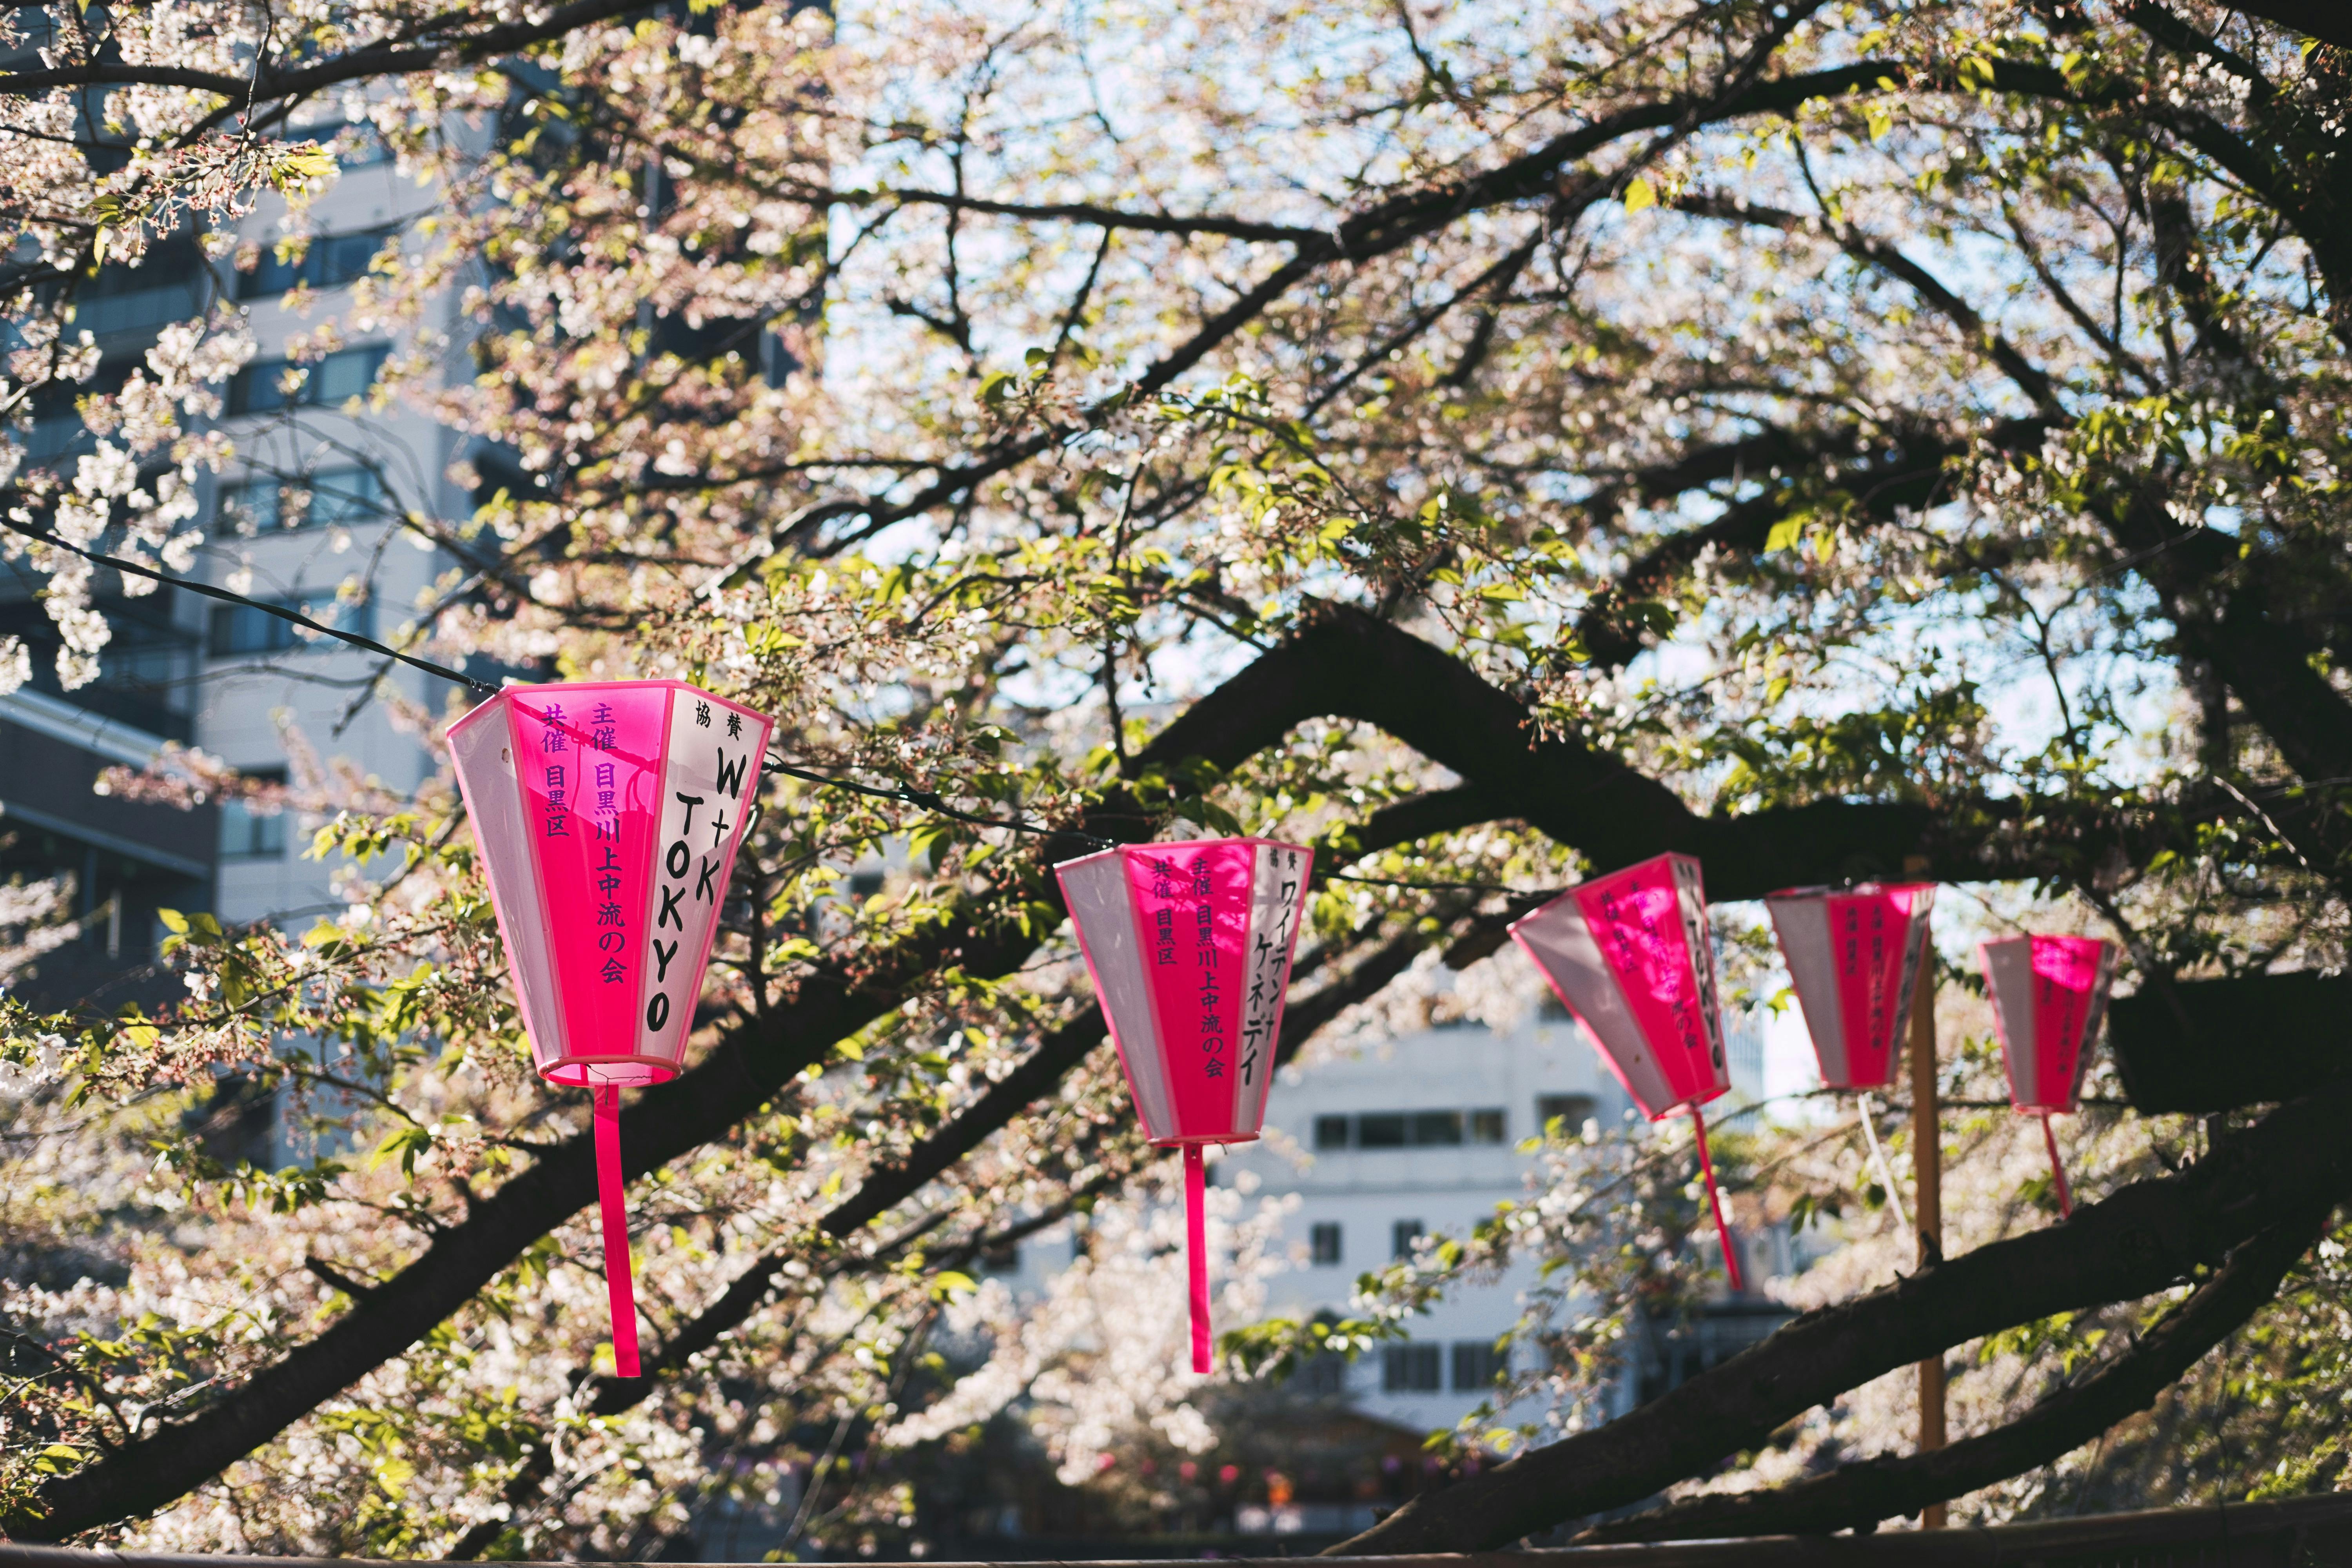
[[931, 802], [280, 611], [926, 800]]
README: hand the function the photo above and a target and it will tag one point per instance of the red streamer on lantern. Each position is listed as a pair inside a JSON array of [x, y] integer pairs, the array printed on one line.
[[1629, 954], [1189, 946], [608, 815], [2049, 994], [1196, 1251]]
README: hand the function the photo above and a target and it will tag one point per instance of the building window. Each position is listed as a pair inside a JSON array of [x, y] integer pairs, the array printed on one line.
[[343, 498], [240, 631], [248, 629], [1477, 1364], [1410, 1369], [1570, 1110], [330, 261], [1323, 1242], [1402, 1236], [251, 506], [334, 497], [1000, 1259], [264, 385], [357, 144], [1436, 1129], [1409, 1129], [247, 834], [1325, 1373]]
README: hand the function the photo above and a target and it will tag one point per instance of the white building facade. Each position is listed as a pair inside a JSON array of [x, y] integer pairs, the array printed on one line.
[[1400, 1139]]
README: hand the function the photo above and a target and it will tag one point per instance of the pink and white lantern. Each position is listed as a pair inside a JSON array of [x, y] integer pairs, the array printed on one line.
[[1189, 946], [2049, 993], [1855, 955], [608, 815], [1629, 954]]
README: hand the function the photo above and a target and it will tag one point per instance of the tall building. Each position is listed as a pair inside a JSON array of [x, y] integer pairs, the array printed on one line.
[[305, 516], [309, 512]]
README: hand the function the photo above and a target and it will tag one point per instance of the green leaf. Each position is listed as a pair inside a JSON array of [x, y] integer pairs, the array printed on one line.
[[1785, 534], [407, 1142], [1640, 194], [298, 166]]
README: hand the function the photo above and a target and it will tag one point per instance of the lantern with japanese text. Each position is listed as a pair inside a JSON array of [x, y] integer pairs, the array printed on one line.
[[1855, 955], [1629, 954], [1189, 946], [608, 815], [2049, 993]]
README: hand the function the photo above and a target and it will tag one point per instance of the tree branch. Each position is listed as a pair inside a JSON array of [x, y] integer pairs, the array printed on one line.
[[1889, 477], [1858, 1495], [2143, 1238], [2322, 19]]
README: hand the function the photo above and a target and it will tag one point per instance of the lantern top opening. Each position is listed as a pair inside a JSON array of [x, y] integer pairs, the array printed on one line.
[[1851, 890], [1159, 845], [520, 691]]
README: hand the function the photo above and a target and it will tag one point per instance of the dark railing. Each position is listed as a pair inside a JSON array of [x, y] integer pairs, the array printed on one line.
[[2301, 1533]]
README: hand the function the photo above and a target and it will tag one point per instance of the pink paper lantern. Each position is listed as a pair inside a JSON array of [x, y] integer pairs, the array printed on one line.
[[1629, 954], [1855, 955], [2049, 993], [608, 815], [1189, 946]]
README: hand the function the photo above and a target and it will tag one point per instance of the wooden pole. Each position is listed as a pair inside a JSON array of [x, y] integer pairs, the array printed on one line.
[[1928, 1203]]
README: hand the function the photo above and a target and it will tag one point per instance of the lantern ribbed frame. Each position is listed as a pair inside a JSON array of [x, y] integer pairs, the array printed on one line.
[[1197, 1062], [1629, 954], [2049, 996], [563, 806], [1854, 955]]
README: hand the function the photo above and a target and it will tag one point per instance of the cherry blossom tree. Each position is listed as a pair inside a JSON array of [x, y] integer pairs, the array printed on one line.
[[1489, 443]]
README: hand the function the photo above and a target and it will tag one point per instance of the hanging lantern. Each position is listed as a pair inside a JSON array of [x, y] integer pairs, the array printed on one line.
[[2049, 993], [1629, 954], [1855, 955], [1189, 946], [608, 815]]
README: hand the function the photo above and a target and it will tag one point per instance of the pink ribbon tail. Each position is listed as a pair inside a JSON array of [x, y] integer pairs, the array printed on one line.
[[613, 1206], [1196, 1251], [2057, 1169], [1714, 1198]]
